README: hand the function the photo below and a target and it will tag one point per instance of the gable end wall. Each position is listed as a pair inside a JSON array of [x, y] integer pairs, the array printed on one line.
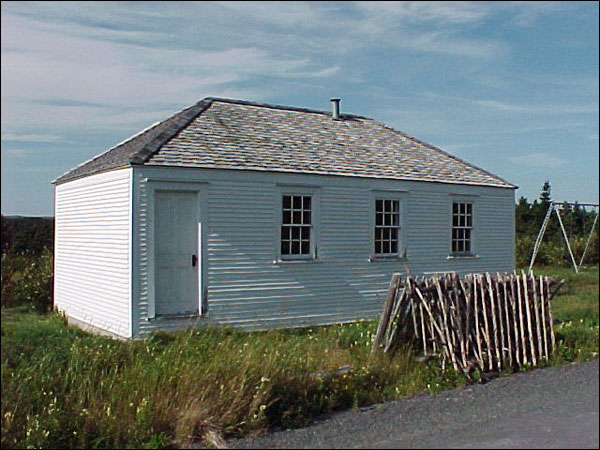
[[92, 263]]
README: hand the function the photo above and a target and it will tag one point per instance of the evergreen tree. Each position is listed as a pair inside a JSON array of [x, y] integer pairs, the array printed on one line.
[[545, 197]]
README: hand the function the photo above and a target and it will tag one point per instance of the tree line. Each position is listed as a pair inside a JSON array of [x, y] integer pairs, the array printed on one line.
[[577, 220], [31, 235]]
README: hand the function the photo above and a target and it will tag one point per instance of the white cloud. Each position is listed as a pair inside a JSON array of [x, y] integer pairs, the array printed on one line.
[[78, 81], [537, 109], [526, 13], [289, 14], [540, 160], [440, 12], [16, 152], [518, 108], [30, 137]]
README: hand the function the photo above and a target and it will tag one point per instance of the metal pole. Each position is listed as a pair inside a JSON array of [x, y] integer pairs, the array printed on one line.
[[562, 227], [538, 241], [589, 239]]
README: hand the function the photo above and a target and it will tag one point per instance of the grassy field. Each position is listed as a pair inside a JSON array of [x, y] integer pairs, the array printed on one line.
[[62, 387], [576, 309]]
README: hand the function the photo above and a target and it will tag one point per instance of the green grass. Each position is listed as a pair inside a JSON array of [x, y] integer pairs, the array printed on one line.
[[62, 387], [576, 309]]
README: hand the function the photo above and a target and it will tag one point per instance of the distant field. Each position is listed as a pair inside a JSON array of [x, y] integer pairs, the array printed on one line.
[[62, 387]]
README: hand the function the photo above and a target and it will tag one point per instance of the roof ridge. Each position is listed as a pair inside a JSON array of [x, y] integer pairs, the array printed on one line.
[[146, 152], [181, 120], [104, 152], [283, 107], [427, 144]]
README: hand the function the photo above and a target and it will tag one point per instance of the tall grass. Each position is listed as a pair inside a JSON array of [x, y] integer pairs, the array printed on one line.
[[62, 387], [576, 310]]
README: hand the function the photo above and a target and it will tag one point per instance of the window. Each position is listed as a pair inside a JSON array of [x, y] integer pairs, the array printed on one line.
[[387, 227], [462, 227], [296, 226]]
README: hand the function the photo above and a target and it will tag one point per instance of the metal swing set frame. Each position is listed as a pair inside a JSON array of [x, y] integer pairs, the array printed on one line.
[[555, 206]]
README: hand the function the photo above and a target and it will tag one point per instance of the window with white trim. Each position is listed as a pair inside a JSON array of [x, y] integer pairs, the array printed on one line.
[[296, 226], [387, 227], [462, 227]]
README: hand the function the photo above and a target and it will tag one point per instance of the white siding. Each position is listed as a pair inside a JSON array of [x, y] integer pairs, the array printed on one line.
[[92, 264], [248, 288]]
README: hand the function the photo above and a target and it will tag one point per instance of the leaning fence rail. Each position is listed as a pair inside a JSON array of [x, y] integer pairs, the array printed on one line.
[[481, 321]]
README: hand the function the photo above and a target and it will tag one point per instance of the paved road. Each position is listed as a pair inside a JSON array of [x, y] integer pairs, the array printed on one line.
[[547, 408]]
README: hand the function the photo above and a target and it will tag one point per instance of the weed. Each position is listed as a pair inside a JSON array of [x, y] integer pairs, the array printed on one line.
[[62, 387]]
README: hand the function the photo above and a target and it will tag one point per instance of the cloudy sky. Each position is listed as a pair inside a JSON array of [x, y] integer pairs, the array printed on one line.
[[511, 87]]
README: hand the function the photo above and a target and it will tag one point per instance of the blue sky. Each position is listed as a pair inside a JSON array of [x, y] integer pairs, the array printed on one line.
[[509, 86]]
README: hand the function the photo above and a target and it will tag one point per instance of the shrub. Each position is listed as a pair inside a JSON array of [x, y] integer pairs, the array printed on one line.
[[550, 253], [523, 249], [26, 280]]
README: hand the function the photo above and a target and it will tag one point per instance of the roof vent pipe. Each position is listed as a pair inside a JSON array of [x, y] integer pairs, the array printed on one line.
[[335, 108]]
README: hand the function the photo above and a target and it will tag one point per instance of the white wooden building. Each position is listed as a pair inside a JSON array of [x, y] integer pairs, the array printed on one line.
[[252, 215]]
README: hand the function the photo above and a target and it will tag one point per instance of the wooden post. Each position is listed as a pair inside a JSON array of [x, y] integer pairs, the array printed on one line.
[[509, 326], [459, 317], [395, 320], [543, 307], [529, 326], [423, 332], [500, 312], [385, 316], [437, 328], [477, 333], [442, 304], [550, 319], [536, 310], [521, 321], [494, 320], [486, 328], [515, 315]]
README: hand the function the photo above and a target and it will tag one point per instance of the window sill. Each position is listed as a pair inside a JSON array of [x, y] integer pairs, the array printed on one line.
[[465, 256], [387, 258], [183, 316], [296, 261]]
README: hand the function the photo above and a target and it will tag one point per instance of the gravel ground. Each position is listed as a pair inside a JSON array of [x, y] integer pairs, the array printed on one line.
[[546, 408]]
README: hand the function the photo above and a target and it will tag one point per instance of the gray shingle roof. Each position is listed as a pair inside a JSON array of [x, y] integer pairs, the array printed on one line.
[[233, 134]]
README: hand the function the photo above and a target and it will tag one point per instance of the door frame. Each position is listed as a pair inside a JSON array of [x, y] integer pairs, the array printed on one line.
[[178, 186]]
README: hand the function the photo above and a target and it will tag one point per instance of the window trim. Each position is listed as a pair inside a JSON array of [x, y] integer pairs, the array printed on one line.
[[314, 193], [400, 197], [460, 198]]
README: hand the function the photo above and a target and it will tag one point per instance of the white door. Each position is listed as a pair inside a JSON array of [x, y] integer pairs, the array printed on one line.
[[177, 260]]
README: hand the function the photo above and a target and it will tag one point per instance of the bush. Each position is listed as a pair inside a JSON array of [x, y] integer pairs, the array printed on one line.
[[26, 280], [523, 249], [550, 253]]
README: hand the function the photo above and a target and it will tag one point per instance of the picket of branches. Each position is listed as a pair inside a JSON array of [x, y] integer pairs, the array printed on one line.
[[479, 322]]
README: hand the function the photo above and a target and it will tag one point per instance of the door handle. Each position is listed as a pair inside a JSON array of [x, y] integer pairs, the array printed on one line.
[[194, 260]]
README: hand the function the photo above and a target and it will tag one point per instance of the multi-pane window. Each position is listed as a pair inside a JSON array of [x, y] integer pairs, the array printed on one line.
[[462, 227], [296, 220], [387, 226]]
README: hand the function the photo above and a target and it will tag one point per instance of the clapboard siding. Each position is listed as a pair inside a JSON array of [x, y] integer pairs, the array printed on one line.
[[92, 263], [248, 288]]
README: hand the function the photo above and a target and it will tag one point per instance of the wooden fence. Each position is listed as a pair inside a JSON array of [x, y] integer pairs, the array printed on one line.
[[479, 322]]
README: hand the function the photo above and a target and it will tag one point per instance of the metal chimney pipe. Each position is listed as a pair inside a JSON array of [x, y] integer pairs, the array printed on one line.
[[335, 108]]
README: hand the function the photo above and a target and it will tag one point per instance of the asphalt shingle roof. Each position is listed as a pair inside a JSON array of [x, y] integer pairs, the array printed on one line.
[[233, 134]]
